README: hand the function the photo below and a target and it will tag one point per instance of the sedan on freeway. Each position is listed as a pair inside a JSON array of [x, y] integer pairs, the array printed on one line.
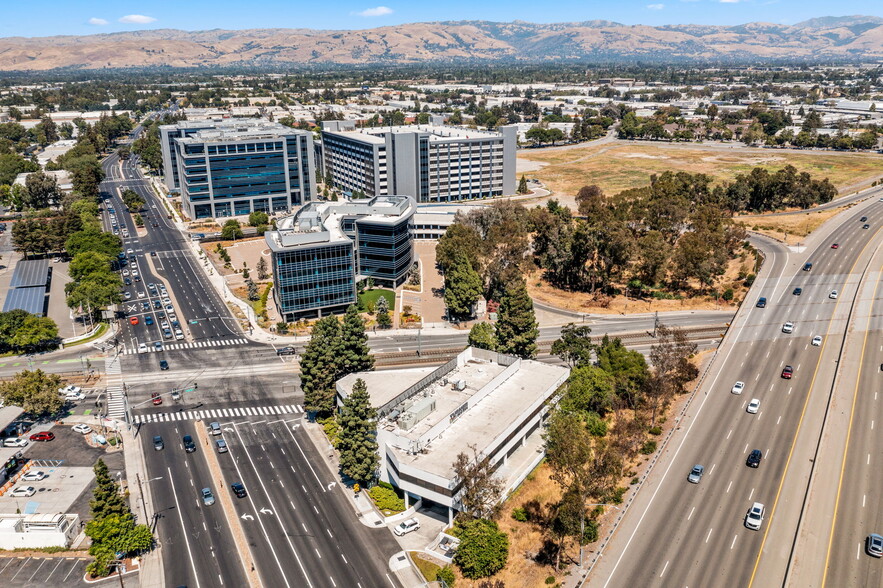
[[787, 372], [753, 406], [738, 387], [874, 545], [754, 517], [817, 341], [696, 474]]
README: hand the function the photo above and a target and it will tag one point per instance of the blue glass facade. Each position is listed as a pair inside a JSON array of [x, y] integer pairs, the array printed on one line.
[[236, 170], [385, 252], [311, 279]]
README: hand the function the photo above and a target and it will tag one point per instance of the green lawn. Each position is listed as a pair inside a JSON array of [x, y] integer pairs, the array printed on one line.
[[373, 296], [427, 568]]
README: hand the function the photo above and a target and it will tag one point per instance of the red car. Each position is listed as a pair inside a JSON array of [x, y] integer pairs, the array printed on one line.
[[787, 372], [133, 320], [44, 436], [156, 398], [835, 246]]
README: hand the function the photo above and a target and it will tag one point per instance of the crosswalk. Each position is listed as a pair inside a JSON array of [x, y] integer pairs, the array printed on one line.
[[219, 413], [193, 345]]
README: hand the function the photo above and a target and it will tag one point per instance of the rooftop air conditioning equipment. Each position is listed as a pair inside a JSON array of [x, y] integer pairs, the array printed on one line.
[[460, 385]]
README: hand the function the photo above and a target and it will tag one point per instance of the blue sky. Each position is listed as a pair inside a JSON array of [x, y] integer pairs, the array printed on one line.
[[77, 17]]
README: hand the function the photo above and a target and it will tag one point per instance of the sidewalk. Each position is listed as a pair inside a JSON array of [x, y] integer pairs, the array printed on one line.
[[151, 563], [363, 507]]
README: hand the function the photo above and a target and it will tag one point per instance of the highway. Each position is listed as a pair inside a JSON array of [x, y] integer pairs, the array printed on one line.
[[677, 533]]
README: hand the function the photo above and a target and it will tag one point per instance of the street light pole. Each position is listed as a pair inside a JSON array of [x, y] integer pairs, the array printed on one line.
[[582, 528]]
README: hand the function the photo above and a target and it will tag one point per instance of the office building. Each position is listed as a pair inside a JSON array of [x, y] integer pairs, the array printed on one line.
[[235, 167], [426, 417], [323, 251], [431, 163]]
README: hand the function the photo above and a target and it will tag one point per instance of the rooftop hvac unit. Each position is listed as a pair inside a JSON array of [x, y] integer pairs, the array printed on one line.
[[460, 385]]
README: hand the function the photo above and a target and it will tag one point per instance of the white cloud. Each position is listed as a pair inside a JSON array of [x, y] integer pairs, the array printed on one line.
[[376, 11], [97, 21], [137, 19], [729, 1], [656, 6]]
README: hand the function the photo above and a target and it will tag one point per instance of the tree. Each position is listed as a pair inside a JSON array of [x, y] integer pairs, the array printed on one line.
[[253, 293], [29, 236], [517, 325], [575, 345], [262, 269], [357, 435], [627, 367], [480, 490], [133, 200], [231, 230], [355, 356], [672, 368], [319, 366], [589, 389], [483, 549], [36, 392], [88, 262], [36, 332], [92, 239], [124, 152], [381, 311], [462, 287], [41, 190], [522, 185], [12, 164], [481, 335], [258, 218], [106, 498]]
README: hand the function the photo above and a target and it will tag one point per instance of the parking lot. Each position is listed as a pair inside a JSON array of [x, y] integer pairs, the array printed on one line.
[[68, 461], [44, 570]]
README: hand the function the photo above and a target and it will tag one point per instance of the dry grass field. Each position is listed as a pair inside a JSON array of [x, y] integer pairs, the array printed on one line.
[[791, 229], [618, 166]]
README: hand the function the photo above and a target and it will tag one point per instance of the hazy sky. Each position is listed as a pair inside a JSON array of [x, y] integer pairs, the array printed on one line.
[[77, 17]]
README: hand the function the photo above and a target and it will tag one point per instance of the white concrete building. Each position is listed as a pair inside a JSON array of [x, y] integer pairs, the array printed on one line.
[[35, 531], [428, 416]]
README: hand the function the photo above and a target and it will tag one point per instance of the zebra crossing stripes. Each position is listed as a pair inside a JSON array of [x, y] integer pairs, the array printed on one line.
[[219, 413], [193, 345]]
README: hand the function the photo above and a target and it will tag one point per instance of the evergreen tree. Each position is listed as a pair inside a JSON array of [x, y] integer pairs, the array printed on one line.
[[107, 499], [522, 185], [462, 286], [355, 355], [357, 435], [481, 335], [262, 269], [382, 313], [319, 366], [517, 326]]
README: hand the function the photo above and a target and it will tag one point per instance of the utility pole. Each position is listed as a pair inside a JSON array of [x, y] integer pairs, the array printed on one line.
[[655, 323], [141, 492]]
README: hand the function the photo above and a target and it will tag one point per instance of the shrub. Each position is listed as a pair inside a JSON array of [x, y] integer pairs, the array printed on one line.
[[657, 430], [332, 429], [446, 574], [550, 580], [728, 295], [483, 549], [386, 499], [615, 497], [749, 279], [635, 480], [649, 447], [519, 514]]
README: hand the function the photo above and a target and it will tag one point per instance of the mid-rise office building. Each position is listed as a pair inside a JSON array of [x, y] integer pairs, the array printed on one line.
[[323, 251], [235, 167], [429, 162]]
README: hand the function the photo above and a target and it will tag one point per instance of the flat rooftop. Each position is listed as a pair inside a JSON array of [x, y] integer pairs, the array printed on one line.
[[437, 133]]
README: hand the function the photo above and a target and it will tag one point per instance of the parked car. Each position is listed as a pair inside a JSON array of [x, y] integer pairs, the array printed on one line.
[[43, 436], [82, 428], [406, 527], [15, 442], [34, 476], [23, 491], [696, 474]]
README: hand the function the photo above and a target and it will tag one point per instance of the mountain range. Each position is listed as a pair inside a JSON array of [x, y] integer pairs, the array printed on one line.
[[849, 38]]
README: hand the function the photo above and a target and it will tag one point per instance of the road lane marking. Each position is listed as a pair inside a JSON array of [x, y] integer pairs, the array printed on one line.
[[759, 414], [316, 549], [343, 557], [789, 391], [729, 486], [751, 494], [665, 567], [712, 468], [858, 551], [779, 420], [746, 448], [730, 433], [869, 459], [864, 496], [872, 425], [691, 513], [733, 544], [183, 528], [709, 535]]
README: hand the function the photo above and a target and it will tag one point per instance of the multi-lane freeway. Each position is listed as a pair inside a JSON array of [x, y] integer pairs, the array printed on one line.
[[683, 534]]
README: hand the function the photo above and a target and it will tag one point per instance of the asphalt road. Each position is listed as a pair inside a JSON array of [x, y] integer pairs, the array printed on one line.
[[681, 534], [302, 530], [198, 549]]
